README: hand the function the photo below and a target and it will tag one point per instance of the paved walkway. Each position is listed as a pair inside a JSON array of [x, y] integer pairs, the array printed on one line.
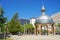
[[34, 37]]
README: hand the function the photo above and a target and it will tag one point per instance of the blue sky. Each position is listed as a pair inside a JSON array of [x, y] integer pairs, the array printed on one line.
[[29, 8]]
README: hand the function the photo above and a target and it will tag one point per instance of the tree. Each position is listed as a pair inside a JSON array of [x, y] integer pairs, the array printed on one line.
[[29, 28], [22, 29], [14, 24], [58, 30], [58, 25], [2, 18]]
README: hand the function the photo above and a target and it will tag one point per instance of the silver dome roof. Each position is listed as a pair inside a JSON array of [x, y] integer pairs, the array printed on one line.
[[44, 19]]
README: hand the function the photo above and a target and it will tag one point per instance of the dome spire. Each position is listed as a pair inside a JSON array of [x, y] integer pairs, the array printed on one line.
[[43, 8]]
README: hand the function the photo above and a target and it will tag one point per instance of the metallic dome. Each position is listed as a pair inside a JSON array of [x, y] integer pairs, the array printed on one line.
[[44, 19]]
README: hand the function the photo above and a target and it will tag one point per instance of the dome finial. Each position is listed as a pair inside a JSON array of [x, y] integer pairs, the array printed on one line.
[[43, 8]]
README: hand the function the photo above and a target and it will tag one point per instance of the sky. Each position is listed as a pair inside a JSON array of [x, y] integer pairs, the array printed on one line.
[[29, 8]]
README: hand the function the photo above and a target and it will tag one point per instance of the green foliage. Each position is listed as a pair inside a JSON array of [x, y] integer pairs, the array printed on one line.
[[22, 28], [14, 24], [1, 12], [30, 28], [58, 30], [2, 28], [2, 19], [58, 25], [45, 31]]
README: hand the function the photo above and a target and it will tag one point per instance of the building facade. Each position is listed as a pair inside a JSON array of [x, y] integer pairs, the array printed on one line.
[[32, 21], [56, 17]]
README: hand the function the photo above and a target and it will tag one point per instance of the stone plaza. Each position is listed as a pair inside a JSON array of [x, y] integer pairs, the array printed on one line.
[[36, 37]]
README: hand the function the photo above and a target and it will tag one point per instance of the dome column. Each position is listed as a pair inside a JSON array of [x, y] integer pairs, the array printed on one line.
[[48, 29], [40, 31], [54, 29], [35, 30]]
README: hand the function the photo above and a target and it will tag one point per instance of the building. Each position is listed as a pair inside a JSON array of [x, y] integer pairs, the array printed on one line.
[[44, 22], [32, 21], [56, 17]]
